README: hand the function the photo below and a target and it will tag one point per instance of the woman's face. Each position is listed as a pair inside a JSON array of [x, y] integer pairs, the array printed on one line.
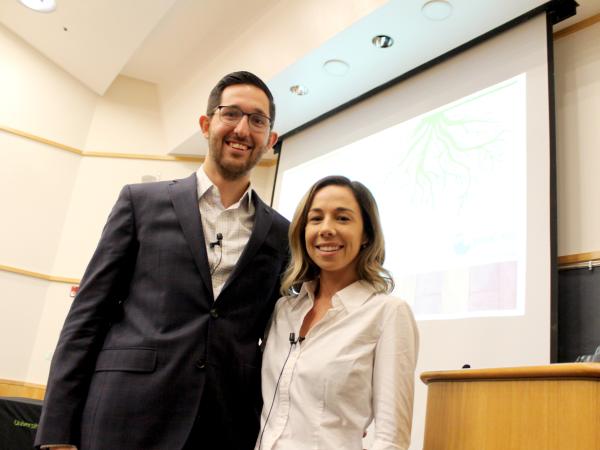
[[334, 231]]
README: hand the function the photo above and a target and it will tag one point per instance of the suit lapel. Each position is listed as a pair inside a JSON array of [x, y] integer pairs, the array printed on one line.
[[262, 224], [184, 196]]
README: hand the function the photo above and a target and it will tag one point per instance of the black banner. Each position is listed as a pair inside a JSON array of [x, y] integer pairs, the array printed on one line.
[[18, 422]]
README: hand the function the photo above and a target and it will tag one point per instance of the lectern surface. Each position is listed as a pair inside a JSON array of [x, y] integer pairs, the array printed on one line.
[[554, 407]]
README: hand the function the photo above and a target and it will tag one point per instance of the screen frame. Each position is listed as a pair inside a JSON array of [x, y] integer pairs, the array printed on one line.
[[554, 12]]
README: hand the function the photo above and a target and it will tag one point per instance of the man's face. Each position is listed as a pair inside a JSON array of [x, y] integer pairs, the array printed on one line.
[[235, 149]]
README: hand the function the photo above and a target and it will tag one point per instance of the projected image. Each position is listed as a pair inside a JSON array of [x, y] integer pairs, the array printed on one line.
[[450, 186]]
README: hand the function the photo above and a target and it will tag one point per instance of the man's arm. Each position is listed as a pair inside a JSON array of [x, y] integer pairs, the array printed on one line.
[[81, 338]]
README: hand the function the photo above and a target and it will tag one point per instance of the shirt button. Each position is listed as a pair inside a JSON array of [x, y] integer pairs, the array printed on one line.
[[213, 313], [201, 364]]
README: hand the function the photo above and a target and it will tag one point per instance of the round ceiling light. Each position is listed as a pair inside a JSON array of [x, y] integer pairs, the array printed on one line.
[[437, 10], [382, 41], [336, 67], [44, 6], [298, 89]]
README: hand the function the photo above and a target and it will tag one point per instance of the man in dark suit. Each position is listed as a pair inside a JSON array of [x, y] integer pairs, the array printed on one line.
[[160, 348]]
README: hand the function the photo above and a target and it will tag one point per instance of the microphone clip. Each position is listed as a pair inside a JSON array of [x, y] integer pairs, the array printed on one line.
[[217, 242], [294, 341]]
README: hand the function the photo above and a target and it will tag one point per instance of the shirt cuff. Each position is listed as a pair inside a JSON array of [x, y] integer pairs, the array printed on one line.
[[58, 445]]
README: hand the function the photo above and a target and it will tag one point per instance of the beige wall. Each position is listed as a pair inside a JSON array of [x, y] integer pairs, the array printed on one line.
[[577, 60], [127, 119], [21, 308], [40, 98], [36, 182]]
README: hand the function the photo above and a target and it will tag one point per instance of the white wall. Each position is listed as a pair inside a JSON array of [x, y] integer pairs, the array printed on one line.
[[577, 60]]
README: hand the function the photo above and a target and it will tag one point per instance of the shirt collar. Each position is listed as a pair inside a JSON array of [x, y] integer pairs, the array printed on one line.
[[351, 297], [205, 184]]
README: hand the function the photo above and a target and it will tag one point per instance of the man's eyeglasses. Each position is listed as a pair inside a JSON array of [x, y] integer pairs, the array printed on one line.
[[232, 115]]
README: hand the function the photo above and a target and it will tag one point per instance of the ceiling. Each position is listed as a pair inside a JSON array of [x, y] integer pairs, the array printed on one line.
[[161, 41]]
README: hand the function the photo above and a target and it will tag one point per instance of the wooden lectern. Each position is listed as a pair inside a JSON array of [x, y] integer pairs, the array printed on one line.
[[554, 407]]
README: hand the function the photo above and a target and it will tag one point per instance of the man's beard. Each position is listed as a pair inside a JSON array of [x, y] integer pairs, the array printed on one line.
[[230, 170]]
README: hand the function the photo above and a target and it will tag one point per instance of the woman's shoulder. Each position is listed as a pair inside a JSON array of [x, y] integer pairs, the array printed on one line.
[[392, 303], [285, 300]]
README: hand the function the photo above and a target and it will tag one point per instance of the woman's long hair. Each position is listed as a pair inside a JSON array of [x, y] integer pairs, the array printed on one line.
[[370, 257]]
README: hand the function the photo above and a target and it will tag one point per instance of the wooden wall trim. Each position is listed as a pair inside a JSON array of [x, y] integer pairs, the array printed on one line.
[[562, 261], [578, 258], [38, 275], [41, 140], [577, 27], [12, 388], [93, 154]]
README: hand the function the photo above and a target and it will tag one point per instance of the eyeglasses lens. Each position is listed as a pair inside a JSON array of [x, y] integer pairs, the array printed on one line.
[[232, 116]]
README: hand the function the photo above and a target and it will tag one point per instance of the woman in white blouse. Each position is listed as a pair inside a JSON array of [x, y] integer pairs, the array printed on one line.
[[340, 351]]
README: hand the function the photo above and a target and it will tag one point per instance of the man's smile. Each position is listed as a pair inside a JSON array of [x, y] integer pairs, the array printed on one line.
[[238, 145]]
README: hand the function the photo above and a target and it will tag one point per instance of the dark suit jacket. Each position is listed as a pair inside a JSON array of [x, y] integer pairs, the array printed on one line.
[[144, 343]]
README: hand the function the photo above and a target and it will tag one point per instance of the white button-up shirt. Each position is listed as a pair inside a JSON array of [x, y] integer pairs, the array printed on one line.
[[235, 223], [355, 365]]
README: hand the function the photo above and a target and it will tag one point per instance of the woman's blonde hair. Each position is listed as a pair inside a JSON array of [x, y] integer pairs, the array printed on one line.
[[370, 257]]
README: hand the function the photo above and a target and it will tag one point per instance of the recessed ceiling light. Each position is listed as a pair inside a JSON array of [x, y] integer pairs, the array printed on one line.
[[45, 6], [437, 9], [298, 89], [336, 67], [382, 41]]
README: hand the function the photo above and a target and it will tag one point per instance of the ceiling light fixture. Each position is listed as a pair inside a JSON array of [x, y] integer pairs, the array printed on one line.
[[44, 6], [298, 89], [382, 41], [336, 67], [437, 10]]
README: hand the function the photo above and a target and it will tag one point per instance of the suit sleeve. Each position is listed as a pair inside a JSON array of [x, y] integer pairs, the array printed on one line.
[[393, 379], [103, 288], [284, 250]]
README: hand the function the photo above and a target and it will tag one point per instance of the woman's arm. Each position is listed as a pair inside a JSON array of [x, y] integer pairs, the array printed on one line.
[[393, 378]]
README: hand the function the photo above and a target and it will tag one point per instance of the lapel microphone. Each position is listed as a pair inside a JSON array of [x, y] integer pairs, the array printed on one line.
[[293, 340], [217, 242]]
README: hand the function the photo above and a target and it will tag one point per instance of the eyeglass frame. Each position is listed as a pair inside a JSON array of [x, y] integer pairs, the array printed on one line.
[[218, 109]]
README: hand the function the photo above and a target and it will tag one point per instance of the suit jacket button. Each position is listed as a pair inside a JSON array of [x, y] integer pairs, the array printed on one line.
[[201, 364], [213, 313]]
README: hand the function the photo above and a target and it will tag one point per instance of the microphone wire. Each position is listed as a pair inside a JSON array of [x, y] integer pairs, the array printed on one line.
[[292, 343], [218, 243]]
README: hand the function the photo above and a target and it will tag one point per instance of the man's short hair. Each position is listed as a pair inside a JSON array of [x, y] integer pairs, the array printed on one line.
[[241, 77]]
